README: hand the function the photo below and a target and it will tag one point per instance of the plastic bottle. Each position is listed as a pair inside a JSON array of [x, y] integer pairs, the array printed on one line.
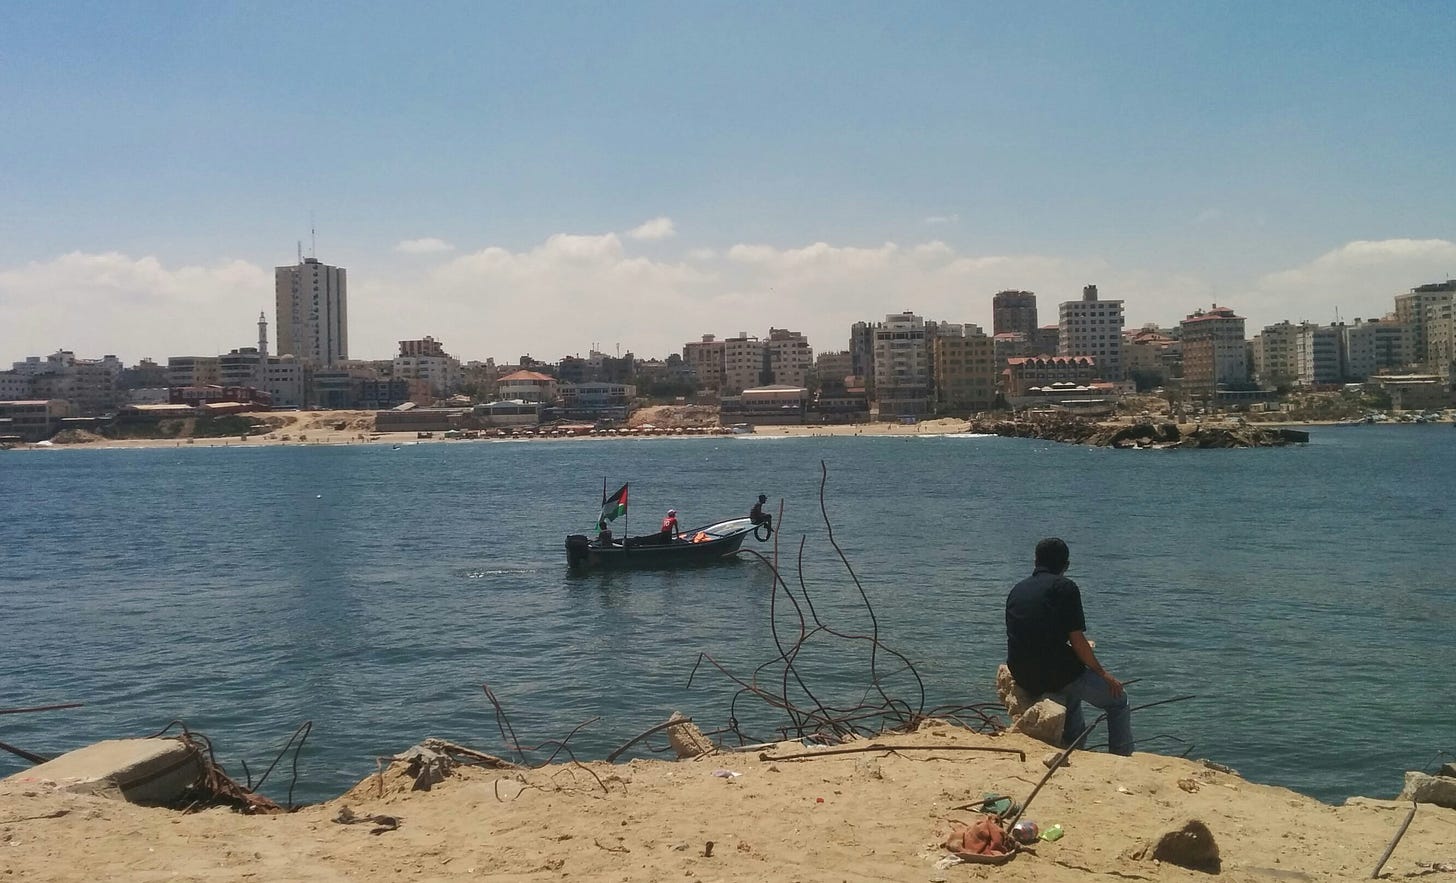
[[1053, 833]]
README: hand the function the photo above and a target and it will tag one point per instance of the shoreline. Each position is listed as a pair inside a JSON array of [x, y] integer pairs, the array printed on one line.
[[778, 813], [327, 437]]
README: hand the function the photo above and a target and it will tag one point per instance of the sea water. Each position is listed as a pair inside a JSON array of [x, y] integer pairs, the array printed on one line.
[[1302, 596]]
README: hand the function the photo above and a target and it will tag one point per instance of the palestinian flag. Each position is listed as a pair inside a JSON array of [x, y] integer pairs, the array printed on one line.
[[613, 506]]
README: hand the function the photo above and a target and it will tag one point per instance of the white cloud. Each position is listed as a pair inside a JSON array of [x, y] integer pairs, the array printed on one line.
[[570, 290], [1360, 278], [938, 220], [133, 307], [427, 245], [657, 228]]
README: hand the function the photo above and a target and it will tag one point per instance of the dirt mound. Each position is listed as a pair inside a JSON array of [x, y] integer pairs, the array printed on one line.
[[674, 416], [75, 437]]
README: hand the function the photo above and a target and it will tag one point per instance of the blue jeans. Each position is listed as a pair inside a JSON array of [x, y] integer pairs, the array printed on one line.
[[1089, 687]]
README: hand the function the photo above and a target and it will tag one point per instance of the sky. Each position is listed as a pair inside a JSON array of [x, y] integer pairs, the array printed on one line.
[[545, 178]]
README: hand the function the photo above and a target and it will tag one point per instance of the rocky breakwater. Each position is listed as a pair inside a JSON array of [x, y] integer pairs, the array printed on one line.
[[1142, 434]]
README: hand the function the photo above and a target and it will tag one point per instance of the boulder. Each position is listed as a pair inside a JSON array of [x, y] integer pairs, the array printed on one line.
[[147, 771], [1190, 845], [1044, 720], [1424, 788]]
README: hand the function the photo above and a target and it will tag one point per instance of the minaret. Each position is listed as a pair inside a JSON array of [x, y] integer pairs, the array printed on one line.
[[262, 350]]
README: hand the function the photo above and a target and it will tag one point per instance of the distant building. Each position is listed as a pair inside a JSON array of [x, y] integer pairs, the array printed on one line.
[[32, 420], [1151, 357], [779, 403], [1374, 347], [312, 312], [1276, 358], [706, 359], [1046, 341], [425, 362], [527, 386], [1214, 352], [1022, 374], [89, 387], [745, 363], [1413, 310], [862, 353], [790, 358], [965, 371], [1319, 351], [831, 369], [902, 367], [1093, 327], [194, 371], [1014, 312]]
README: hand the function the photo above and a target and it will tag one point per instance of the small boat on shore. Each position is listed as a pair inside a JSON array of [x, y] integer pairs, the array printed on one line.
[[703, 545]]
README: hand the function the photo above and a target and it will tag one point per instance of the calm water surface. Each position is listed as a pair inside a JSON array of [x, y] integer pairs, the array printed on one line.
[[1303, 595]]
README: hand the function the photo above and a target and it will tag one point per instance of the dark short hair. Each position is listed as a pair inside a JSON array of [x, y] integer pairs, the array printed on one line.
[[762, 498], [1052, 553]]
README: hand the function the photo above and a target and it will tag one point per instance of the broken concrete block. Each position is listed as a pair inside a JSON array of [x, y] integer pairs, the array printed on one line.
[[686, 739], [1423, 788], [148, 771], [1045, 720], [1190, 845]]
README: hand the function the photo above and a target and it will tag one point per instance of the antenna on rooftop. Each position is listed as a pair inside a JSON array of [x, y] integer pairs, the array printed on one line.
[[313, 237]]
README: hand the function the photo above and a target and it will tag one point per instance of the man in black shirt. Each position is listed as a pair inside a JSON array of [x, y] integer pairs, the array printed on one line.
[[1047, 649]]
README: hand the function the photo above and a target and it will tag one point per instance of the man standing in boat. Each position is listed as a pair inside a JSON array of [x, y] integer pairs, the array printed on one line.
[[1048, 652], [669, 526], [758, 516]]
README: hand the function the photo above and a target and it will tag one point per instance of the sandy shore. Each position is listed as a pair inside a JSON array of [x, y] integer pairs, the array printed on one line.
[[868, 816]]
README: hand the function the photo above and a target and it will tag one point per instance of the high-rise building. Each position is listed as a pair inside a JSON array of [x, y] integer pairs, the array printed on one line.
[[862, 351], [965, 369], [313, 312], [1013, 312], [1214, 351], [1413, 310], [902, 366], [1092, 327], [1276, 363], [1319, 351], [790, 357], [1374, 347], [745, 362], [705, 357]]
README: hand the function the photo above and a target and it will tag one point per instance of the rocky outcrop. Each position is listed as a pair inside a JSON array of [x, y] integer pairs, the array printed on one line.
[[1423, 788], [1040, 717], [1144, 434]]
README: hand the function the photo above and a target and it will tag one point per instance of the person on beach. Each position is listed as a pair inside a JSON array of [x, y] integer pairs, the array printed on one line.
[[669, 526], [758, 516], [1048, 652]]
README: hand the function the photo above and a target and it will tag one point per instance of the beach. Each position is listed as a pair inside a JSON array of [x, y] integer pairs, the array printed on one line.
[[872, 815]]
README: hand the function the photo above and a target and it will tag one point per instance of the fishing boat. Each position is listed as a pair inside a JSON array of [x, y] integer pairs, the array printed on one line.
[[702, 545]]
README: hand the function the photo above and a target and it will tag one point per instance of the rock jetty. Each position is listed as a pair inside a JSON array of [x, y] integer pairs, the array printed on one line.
[[1142, 434]]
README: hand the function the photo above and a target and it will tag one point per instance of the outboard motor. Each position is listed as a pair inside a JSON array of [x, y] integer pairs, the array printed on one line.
[[578, 547]]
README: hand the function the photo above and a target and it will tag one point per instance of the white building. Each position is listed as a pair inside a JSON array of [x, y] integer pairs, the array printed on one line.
[[426, 362], [313, 312], [527, 386], [1276, 362], [744, 361], [1092, 327], [902, 366], [1413, 310], [790, 359], [1319, 351], [1374, 347]]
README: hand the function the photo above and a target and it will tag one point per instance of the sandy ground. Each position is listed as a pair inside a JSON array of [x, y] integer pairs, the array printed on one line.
[[857, 817]]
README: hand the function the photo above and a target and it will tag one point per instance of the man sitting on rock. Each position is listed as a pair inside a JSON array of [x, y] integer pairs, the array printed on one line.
[[1047, 649]]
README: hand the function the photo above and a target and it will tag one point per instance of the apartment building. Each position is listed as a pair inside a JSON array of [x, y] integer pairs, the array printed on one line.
[[790, 358], [313, 312], [1214, 351], [705, 357], [1022, 374], [1092, 327], [964, 371], [745, 363], [902, 367], [1374, 347], [1413, 310], [1276, 359], [1013, 312], [1319, 352], [424, 364]]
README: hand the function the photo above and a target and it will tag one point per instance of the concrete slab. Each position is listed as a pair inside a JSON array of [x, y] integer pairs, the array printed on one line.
[[149, 771]]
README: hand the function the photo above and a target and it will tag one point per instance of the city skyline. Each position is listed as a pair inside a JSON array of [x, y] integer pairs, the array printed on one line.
[[542, 179]]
